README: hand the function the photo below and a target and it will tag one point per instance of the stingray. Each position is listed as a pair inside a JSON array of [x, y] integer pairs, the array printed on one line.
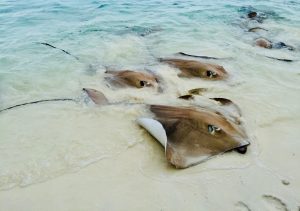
[[264, 43], [192, 135], [131, 78], [191, 68], [257, 16]]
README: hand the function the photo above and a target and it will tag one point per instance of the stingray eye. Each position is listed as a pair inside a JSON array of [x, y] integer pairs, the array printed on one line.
[[213, 129], [145, 83], [142, 83], [211, 74]]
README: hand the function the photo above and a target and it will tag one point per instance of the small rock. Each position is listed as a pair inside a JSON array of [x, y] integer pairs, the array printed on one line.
[[285, 182]]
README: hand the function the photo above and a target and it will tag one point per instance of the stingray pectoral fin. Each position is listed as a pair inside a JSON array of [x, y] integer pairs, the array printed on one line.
[[184, 75], [155, 128], [197, 91], [186, 97], [180, 159], [228, 105], [186, 154], [96, 96]]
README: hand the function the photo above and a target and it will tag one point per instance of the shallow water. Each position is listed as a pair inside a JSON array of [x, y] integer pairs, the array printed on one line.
[[46, 140]]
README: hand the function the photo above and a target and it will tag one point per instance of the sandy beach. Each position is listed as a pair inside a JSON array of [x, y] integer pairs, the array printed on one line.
[[139, 180]]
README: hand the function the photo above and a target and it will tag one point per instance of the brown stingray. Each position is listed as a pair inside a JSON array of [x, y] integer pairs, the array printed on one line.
[[96, 96], [195, 135], [264, 43], [132, 79], [191, 68]]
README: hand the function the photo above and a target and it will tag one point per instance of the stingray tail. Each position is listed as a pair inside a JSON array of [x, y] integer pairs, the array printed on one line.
[[52, 46], [197, 56], [36, 102], [283, 60]]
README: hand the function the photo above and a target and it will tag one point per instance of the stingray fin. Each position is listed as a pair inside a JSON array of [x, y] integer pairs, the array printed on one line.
[[197, 91], [96, 96], [184, 75], [186, 97], [162, 111], [228, 105], [155, 128]]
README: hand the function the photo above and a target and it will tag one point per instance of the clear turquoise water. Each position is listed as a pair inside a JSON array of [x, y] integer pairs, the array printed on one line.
[[88, 29], [126, 34]]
